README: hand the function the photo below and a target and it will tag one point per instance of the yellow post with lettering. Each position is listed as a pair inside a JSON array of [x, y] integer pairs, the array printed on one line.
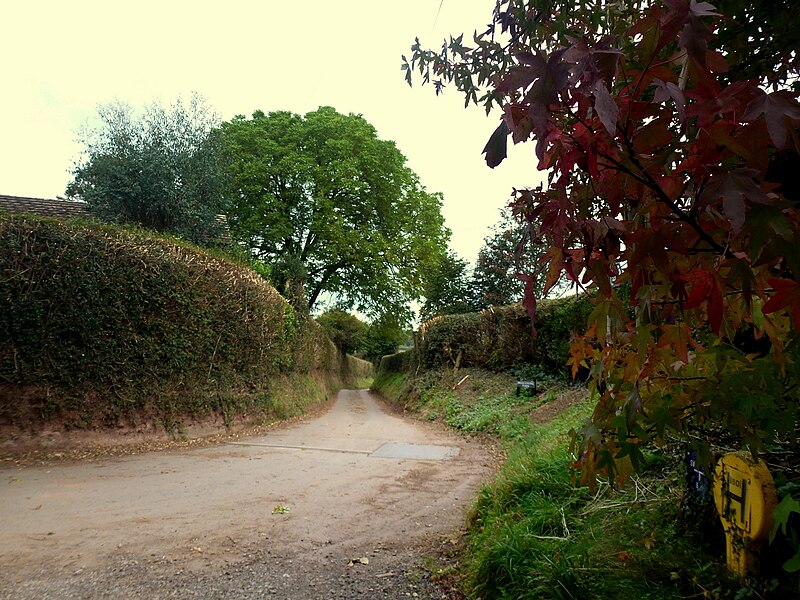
[[745, 497]]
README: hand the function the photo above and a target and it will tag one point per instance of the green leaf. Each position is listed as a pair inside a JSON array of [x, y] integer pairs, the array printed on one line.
[[787, 506], [323, 194], [793, 564]]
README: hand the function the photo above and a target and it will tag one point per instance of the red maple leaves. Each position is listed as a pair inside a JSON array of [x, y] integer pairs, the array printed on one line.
[[658, 183], [668, 197], [787, 295]]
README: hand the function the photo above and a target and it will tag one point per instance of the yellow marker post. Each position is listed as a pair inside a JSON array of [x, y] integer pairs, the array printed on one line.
[[745, 497]]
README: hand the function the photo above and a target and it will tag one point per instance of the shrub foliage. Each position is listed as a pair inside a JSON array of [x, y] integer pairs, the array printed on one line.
[[102, 324], [500, 337]]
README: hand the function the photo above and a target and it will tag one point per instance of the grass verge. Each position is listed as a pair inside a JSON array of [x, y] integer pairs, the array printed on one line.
[[532, 533], [360, 383]]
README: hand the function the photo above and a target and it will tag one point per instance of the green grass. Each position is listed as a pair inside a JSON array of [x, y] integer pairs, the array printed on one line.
[[359, 384], [482, 403], [533, 533], [393, 386]]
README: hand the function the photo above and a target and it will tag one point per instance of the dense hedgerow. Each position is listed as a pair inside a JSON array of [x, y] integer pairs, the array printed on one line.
[[396, 363], [500, 337], [101, 323]]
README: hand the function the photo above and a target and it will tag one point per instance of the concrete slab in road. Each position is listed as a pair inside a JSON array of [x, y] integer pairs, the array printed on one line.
[[415, 451]]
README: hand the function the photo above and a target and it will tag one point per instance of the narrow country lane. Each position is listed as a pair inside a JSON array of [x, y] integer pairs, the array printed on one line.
[[278, 516]]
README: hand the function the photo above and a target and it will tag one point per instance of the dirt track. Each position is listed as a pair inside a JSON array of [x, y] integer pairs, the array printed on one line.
[[211, 522]]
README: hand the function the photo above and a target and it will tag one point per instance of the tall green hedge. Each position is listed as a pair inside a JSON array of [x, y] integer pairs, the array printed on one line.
[[100, 323], [500, 337], [398, 362]]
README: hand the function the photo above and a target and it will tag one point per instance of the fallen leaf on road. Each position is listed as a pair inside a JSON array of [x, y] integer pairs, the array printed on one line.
[[358, 561], [197, 549]]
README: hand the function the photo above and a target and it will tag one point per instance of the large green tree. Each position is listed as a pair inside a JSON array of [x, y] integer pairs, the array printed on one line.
[[159, 169], [508, 251], [347, 331], [326, 198], [448, 289], [384, 335], [353, 336]]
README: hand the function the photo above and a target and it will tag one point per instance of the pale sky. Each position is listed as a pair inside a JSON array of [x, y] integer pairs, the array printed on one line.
[[61, 59]]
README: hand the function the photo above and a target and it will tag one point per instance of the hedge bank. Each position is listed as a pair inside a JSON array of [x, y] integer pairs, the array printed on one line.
[[499, 338], [102, 325]]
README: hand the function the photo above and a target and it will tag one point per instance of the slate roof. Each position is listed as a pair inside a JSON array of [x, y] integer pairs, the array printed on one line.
[[43, 207]]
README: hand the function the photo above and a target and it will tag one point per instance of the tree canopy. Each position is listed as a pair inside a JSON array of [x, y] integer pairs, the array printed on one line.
[[159, 169], [353, 336], [323, 196], [500, 259], [670, 155], [448, 289], [452, 287], [347, 331], [384, 335]]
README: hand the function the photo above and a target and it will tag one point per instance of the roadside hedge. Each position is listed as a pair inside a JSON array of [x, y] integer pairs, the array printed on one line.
[[102, 324], [400, 362], [500, 337]]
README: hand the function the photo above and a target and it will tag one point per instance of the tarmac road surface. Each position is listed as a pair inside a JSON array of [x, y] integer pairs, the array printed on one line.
[[290, 514]]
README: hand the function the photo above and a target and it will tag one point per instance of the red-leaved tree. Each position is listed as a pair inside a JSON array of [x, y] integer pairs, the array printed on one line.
[[669, 193]]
